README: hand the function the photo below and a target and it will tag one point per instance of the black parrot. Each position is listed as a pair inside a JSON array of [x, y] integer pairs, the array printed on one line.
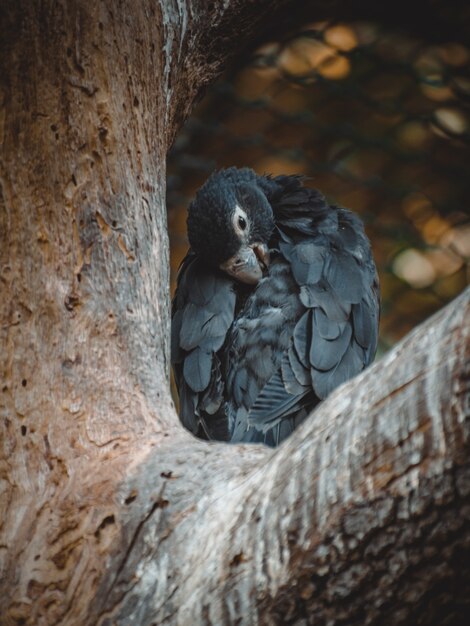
[[277, 304]]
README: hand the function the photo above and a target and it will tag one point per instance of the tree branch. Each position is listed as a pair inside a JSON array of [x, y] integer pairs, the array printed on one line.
[[328, 527]]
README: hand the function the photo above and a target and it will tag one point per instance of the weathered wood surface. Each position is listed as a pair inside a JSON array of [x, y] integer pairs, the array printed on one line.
[[362, 517], [110, 512]]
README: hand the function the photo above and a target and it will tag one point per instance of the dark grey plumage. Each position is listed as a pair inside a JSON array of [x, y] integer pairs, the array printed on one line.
[[251, 362]]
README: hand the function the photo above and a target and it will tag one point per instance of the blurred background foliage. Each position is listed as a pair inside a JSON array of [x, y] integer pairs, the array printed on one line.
[[378, 119]]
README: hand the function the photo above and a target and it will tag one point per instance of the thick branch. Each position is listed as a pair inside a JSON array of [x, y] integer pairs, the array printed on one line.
[[361, 517]]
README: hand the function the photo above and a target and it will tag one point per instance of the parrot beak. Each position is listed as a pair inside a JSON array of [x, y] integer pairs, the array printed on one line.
[[248, 265]]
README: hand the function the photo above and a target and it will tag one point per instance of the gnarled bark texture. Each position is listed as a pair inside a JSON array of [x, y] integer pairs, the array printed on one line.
[[110, 512]]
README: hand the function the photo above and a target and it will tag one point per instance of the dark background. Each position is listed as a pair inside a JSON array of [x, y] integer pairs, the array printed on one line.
[[374, 108]]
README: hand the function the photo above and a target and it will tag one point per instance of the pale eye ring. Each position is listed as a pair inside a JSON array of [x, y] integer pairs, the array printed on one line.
[[242, 222]]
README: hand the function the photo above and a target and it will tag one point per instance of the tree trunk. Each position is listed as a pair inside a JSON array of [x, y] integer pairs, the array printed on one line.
[[110, 512]]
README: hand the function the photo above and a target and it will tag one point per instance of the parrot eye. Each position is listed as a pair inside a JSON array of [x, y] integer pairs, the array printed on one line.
[[242, 222]]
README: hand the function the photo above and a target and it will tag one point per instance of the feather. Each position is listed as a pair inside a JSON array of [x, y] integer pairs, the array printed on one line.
[[320, 296], [363, 323], [194, 326], [327, 353], [302, 338], [212, 399], [273, 403], [306, 261], [326, 328], [344, 276], [240, 385], [301, 373], [197, 369], [289, 379], [324, 382]]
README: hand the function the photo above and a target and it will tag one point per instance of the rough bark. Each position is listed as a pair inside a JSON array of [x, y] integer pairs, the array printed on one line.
[[363, 517], [110, 512]]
